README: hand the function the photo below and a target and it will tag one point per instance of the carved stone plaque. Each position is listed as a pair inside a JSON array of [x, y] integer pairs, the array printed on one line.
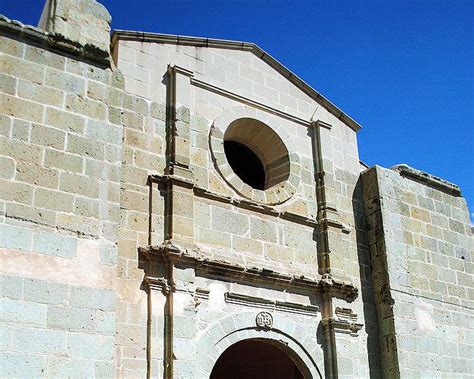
[[264, 320]]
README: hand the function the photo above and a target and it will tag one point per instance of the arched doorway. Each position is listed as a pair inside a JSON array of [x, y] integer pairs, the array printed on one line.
[[254, 358]]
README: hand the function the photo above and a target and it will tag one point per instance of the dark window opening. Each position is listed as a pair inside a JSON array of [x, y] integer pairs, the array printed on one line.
[[245, 164], [255, 360]]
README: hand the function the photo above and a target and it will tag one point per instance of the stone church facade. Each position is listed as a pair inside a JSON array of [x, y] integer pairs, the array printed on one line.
[[181, 207]]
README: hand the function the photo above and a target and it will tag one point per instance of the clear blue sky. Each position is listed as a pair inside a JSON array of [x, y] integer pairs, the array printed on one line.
[[402, 69]]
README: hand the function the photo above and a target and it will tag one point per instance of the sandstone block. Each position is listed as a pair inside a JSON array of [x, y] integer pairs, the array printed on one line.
[[44, 57], [7, 168], [27, 110], [55, 244], [213, 237], [12, 47], [11, 286], [65, 81], [45, 136], [64, 120], [22, 69], [40, 93], [92, 298], [85, 147], [36, 174], [22, 312], [63, 161], [90, 346], [39, 341], [17, 192], [105, 323], [78, 224], [87, 107], [66, 367], [20, 365], [71, 319], [8, 84], [53, 200], [102, 131], [263, 229], [227, 221]]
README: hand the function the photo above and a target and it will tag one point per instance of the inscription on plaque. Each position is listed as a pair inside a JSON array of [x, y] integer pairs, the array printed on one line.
[[264, 320]]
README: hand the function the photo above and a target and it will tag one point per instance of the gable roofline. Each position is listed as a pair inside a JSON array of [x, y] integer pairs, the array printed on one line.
[[128, 35]]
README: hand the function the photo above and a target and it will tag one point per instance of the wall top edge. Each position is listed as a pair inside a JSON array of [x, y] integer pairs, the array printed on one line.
[[54, 42], [128, 35], [427, 179]]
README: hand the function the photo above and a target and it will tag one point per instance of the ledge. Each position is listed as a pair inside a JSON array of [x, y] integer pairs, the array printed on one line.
[[231, 271], [54, 42], [427, 179]]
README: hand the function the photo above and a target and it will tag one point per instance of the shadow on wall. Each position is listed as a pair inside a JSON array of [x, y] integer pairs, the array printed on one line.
[[367, 291]]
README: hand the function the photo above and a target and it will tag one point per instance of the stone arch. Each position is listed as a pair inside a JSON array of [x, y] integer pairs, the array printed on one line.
[[292, 336], [287, 169]]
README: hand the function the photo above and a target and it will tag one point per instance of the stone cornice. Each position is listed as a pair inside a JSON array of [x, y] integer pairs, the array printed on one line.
[[243, 46], [54, 42], [428, 179], [204, 262]]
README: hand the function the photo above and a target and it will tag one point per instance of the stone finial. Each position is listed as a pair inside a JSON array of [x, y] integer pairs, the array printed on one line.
[[82, 21]]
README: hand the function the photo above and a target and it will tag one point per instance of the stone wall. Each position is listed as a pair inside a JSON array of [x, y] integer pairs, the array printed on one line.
[[60, 154], [421, 251]]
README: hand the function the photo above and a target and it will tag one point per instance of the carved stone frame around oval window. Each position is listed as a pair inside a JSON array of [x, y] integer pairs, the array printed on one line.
[[276, 194]]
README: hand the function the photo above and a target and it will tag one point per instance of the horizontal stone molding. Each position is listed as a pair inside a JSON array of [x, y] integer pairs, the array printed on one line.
[[54, 42], [204, 263], [428, 179], [244, 100], [240, 203], [346, 321], [283, 306]]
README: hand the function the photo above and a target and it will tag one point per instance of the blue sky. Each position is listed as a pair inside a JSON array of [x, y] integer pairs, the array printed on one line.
[[402, 69]]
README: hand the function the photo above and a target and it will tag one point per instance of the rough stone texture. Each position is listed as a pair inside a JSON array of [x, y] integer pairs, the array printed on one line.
[[83, 21], [421, 250], [100, 173], [62, 307]]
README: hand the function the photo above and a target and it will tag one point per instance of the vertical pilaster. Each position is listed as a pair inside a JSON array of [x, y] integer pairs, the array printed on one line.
[[326, 206], [179, 184]]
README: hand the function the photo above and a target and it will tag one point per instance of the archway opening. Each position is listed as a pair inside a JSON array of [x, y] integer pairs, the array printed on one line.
[[252, 359]]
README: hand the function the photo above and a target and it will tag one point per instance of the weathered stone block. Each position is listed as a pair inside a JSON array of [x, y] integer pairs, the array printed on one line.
[[20, 365], [40, 93], [7, 168], [14, 237], [63, 161], [64, 120], [85, 147], [67, 367], [45, 136], [81, 185], [36, 174], [22, 312], [227, 221], [55, 244], [85, 106], [21, 69], [27, 110], [39, 341], [8, 84], [92, 298], [71, 319], [11, 286], [90, 346]]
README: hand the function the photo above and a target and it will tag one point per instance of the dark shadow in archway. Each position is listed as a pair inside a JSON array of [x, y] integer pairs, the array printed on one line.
[[255, 359]]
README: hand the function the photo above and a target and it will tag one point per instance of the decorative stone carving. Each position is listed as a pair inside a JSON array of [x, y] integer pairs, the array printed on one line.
[[264, 320]]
